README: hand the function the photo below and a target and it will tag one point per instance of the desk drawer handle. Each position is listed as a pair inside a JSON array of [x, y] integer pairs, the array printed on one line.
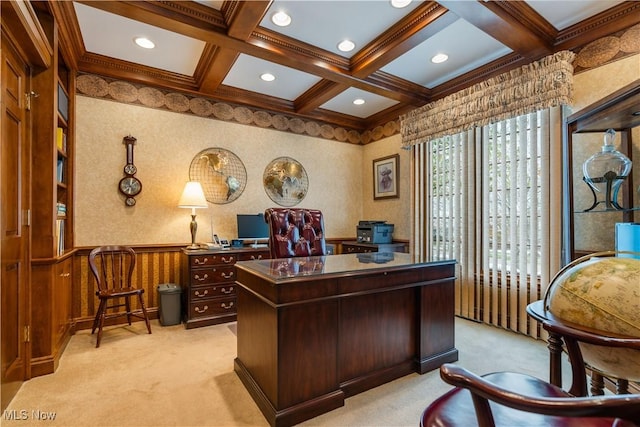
[[253, 257], [225, 306], [197, 277], [205, 308], [197, 260], [227, 291], [227, 276], [204, 294], [227, 260]]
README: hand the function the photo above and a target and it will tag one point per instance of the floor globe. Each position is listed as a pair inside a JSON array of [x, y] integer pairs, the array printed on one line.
[[601, 293]]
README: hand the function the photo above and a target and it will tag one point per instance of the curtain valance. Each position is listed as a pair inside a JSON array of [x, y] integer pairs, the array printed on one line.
[[541, 84]]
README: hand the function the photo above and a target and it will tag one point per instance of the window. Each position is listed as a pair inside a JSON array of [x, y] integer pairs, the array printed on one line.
[[491, 194]]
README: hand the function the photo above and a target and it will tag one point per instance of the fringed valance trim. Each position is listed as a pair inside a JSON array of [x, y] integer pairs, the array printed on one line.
[[541, 84]]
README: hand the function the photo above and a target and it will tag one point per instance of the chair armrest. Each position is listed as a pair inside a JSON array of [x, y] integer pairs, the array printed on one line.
[[617, 406]]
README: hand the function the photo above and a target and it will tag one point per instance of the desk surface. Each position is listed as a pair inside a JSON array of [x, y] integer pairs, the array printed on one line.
[[285, 269]]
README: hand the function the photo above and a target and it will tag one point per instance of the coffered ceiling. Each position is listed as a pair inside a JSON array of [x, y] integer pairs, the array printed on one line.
[[219, 49]]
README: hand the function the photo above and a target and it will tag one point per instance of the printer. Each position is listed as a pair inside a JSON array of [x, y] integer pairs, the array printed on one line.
[[374, 232]]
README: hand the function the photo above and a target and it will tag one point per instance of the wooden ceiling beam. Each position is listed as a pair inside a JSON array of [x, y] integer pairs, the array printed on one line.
[[422, 23], [617, 18], [243, 17], [260, 44], [317, 95], [514, 24]]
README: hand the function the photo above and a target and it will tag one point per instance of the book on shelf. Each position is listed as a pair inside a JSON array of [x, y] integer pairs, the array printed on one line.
[[60, 236], [60, 171], [61, 139], [61, 209]]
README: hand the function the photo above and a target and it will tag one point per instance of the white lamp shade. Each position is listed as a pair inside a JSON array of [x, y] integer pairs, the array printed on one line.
[[192, 196]]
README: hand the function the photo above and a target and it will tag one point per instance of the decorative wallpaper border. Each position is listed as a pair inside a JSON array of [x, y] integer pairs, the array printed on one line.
[[129, 93], [607, 49]]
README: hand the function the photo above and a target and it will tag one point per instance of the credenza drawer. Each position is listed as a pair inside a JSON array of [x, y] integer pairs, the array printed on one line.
[[213, 259], [215, 307], [212, 291], [208, 281], [217, 274], [250, 256]]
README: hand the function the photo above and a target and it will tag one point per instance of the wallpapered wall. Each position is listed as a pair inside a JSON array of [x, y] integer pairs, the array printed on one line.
[[340, 175]]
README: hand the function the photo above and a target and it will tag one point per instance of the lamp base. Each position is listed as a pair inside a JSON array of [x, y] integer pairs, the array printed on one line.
[[193, 247]]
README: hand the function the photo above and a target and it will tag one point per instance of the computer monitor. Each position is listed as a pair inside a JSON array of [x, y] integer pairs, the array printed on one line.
[[252, 227]]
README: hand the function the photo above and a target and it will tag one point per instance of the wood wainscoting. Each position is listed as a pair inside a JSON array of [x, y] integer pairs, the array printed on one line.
[[154, 265]]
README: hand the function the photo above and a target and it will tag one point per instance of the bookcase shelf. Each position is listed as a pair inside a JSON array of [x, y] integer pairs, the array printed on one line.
[[52, 207]]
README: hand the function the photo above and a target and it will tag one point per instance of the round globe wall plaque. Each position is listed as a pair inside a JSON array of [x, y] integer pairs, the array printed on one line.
[[221, 173], [285, 181]]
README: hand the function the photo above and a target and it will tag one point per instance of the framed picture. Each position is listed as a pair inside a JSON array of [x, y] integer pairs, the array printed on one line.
[[386, 177]]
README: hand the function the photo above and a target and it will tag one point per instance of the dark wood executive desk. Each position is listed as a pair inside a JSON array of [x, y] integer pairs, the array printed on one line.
[[314, 331]]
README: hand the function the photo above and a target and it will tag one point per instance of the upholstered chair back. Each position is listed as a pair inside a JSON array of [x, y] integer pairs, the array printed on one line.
[[295, 232]]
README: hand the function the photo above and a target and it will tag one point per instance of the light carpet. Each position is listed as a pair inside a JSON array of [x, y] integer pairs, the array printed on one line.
[[179, 377]]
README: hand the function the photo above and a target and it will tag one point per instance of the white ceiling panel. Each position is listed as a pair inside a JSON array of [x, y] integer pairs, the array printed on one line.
[[416, 65], [289, 83], [343, 103], [112, 35], [325, 23], [563, 14]]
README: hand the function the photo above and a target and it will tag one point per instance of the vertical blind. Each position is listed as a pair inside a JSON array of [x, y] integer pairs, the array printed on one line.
[[490, 198]]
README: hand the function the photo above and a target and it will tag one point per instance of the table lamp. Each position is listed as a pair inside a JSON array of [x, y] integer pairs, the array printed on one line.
[[193, 197]]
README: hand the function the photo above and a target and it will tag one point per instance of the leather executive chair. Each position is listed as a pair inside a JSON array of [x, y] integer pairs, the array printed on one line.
[[295, 232]]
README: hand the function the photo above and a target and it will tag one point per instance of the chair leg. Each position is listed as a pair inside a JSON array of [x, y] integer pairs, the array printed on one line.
[[127, 305], [144, 312], [103, 314], [101, 308]]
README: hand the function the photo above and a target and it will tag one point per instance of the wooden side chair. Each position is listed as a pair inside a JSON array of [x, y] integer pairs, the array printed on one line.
[[112, 267], [514, 399]]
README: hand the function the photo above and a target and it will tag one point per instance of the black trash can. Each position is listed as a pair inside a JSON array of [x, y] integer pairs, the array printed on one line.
[[170, 296]]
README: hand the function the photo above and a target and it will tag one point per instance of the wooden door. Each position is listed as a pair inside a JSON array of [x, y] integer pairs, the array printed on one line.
[[14, 208]]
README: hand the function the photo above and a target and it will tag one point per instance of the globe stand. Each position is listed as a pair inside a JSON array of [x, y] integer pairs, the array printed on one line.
[[611, 193]]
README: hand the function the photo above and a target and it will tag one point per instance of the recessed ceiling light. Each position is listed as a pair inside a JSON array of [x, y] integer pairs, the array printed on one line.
[[358, 101], [281, 19], [399, 4], [268, 77], [144, 42], [441, 57], [346, 46]]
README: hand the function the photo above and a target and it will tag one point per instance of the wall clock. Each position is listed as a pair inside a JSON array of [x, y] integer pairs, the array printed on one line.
[[130, 186]]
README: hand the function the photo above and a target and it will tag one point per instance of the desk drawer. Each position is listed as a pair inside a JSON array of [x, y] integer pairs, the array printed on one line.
[[217, 274], [212, 291], [213, 307]]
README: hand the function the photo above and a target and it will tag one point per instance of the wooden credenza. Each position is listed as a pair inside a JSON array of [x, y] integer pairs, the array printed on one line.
[[313, 331], [208, 284], [362, 247]]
